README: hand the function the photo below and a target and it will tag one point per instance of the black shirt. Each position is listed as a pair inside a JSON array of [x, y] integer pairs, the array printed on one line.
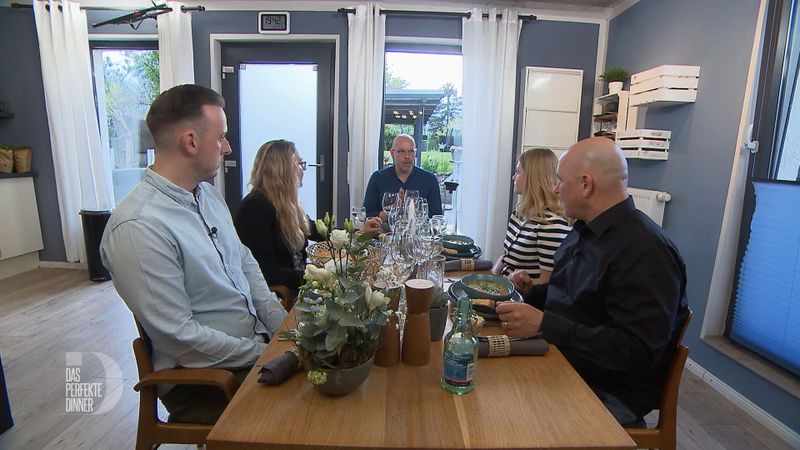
[[615, 303], [258, 226]]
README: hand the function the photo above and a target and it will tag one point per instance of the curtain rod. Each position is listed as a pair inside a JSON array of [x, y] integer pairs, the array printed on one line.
[[433, 13], [184, 8]]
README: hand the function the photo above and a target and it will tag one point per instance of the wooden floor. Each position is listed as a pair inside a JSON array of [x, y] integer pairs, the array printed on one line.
[[46, 313]]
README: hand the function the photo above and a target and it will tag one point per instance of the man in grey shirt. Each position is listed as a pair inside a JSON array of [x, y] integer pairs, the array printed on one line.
[[177, 261]]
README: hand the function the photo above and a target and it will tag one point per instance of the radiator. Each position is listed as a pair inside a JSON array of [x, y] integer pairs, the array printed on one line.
[[650, 202]]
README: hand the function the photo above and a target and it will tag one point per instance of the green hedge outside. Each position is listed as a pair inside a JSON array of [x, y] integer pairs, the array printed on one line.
[[437, 162]]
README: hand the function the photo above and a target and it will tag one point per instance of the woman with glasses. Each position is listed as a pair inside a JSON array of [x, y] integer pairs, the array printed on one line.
[[271, 221], [538, 224]]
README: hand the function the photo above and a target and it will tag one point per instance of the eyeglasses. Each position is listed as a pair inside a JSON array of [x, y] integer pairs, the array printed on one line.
[[303, 164], [405, 152]]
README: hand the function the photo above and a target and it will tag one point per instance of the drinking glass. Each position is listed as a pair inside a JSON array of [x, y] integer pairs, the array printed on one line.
[[436, 275], [423, 247], [402, 251], [422, 210], [389, 201], [359, 216], [438, 224]]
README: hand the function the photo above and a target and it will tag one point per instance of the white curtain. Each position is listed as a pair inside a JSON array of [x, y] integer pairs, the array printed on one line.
[[489, 47], [365, 44], [82, 168], [175, 50]]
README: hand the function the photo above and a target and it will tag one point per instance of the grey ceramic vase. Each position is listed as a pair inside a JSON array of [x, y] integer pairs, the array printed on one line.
[[438, 319], [344, 381]]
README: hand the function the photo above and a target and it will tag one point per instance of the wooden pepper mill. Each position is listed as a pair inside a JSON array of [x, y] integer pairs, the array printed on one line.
[[388, 352], [417, 330]]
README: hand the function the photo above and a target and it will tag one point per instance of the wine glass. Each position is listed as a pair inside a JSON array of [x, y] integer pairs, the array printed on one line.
[[402, 251], [389, 201], [423, 247], [422, 210], [438, 224], [359, 216]]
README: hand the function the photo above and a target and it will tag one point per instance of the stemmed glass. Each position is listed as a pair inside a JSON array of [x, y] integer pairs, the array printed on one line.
[[402, 251], [421, 210], [388, 201], [426, 242], [359, 216], [438, 224]]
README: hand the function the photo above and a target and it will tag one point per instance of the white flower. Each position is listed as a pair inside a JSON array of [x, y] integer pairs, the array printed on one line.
[[333, 266], [375, 299], [321, 228], [339, 238], [314, 273]]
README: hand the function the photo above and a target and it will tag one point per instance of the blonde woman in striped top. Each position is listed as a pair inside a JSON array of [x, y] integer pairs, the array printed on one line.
[[538, 224]]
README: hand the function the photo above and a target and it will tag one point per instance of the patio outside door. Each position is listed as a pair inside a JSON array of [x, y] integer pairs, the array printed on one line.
[[280, 91]]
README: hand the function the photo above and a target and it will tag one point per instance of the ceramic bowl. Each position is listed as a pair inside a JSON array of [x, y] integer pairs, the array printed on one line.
[[473, 289], [460, 243]]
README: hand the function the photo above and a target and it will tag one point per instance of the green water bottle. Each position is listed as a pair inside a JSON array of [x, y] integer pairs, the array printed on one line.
[[460, 352]]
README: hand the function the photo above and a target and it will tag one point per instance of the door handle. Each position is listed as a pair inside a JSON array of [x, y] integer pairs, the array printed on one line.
[[321, 165]]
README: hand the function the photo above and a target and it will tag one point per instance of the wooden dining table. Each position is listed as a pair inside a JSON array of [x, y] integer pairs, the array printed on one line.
[[519, 402]]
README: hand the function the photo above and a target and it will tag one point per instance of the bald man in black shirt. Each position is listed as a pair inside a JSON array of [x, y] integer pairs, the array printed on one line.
[[617, 295]]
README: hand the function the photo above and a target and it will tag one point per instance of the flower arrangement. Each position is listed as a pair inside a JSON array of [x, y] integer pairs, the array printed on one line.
[[339, 315]]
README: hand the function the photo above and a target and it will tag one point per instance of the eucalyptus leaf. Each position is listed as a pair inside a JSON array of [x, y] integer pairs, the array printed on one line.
[[335, 311], [348, 297], [335, 338], [350, 320]]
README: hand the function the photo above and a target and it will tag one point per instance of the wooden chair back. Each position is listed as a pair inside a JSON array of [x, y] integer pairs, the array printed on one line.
[[285, 295], [663, 435], [152, 431]]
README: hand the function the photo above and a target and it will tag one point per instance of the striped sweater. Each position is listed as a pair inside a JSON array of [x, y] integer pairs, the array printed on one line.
[[530, 245]]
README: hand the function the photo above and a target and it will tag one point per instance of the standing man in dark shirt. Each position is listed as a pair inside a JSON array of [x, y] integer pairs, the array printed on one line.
[[402, 175], [617, 295]]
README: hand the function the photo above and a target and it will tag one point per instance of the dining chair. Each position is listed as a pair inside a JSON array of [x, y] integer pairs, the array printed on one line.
[[663, 435], [285, 295], [153, 432]]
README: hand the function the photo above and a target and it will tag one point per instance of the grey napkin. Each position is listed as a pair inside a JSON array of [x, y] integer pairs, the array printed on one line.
[[279, 369], [456, 265], [525, 347]]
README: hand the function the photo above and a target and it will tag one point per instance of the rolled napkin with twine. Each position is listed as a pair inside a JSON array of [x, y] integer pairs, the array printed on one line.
[[278, 370], [501, 345], [467, 264]]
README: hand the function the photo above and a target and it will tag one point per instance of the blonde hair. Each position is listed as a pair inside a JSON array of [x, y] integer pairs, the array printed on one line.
[[539, 165], [275, 175]]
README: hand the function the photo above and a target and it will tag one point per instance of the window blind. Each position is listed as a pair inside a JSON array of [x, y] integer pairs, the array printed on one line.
[[766, 309]]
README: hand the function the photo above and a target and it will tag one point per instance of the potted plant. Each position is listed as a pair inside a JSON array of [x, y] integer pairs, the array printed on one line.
[[6, 159], [614, 76], [22, 159], [340, 316]]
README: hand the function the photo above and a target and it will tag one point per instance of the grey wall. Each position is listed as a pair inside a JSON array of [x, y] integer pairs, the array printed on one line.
[[21, 84], [422, 26], [717, 35], [566, 45]]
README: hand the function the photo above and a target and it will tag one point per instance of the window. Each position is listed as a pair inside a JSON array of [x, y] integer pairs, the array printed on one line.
[[422, 98], [765, 313], [125, 84]]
